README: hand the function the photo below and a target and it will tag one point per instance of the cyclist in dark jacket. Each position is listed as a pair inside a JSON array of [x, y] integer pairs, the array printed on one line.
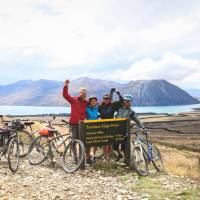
[[107, 110]]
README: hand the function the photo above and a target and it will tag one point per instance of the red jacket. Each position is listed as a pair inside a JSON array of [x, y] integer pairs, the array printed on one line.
[[78, 107]]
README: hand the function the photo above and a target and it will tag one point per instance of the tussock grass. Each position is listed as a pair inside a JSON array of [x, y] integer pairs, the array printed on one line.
[[182, 163]]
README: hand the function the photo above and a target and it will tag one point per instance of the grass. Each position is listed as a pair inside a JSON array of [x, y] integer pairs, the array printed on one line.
[[146, 186], [111, 167], [153, 188], [191, 193], [182, 163]]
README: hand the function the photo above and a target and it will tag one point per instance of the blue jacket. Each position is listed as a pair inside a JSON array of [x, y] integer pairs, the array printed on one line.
[[92, 113]]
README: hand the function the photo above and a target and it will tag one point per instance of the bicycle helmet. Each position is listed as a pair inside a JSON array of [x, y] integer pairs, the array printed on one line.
[[128, 97]]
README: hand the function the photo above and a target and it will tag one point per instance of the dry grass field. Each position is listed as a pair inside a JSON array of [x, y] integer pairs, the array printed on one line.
[[178, 138]]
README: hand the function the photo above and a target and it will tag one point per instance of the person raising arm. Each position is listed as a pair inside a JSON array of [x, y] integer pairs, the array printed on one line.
[[78, 108], [106, 110]]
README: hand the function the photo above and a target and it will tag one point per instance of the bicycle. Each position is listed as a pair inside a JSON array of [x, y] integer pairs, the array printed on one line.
[[71, 150], [25, 136], [10, 143], [144, 153]]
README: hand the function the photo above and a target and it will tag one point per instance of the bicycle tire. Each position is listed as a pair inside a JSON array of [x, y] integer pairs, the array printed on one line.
[[39, 149], [77, 160], [138, 156], [25, 140], [157, 156], [13, 153]]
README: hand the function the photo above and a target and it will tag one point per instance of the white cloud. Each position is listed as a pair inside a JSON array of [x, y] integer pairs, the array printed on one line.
[[172, 67], [81, 35]]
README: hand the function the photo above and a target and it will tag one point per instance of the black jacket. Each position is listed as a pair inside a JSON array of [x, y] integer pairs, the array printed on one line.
[[107, 111]]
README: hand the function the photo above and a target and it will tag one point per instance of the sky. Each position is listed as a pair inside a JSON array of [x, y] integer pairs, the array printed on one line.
[[107, 39]]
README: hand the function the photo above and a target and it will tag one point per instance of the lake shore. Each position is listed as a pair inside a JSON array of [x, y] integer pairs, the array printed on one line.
[[63, 111]]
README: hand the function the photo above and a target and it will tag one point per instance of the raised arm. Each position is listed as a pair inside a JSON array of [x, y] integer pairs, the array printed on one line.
[[120, 96], [116, 104], [66, 94], [117, 92]]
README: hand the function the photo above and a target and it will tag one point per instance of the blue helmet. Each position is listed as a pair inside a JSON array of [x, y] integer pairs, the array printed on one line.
[[128, 97]]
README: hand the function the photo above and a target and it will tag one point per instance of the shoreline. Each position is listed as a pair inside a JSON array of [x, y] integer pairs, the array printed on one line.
[[40, 111]]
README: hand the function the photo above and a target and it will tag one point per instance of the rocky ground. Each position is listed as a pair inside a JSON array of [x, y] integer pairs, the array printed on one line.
[[102, 181]]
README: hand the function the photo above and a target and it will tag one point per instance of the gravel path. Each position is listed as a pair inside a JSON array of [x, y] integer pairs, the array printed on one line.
[[46, 183]]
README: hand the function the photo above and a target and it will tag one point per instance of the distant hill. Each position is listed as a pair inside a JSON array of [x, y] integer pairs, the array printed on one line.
[[157, 93], [49, 93]]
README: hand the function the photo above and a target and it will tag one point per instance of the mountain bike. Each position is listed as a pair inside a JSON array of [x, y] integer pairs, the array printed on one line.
[[72, 151], [25, 137], [144, 153], [11, 143]]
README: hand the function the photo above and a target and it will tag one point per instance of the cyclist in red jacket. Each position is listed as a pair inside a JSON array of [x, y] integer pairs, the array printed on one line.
[[78, 108]]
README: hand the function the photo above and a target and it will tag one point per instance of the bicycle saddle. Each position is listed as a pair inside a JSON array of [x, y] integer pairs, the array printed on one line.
[[28, 123]]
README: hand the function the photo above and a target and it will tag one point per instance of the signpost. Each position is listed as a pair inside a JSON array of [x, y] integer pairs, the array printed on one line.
[[106, 132]]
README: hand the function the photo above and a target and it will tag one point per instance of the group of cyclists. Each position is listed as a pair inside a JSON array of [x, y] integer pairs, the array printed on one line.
[[91, 109]]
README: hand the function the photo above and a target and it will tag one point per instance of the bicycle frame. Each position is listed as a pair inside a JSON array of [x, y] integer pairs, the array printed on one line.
[[60, 136], [141, 142]]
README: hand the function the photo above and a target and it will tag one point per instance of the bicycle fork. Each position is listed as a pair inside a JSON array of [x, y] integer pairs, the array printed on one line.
[[50, 155], [139, 154]]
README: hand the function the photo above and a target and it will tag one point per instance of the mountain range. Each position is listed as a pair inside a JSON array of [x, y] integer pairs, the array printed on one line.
[[49, 93]]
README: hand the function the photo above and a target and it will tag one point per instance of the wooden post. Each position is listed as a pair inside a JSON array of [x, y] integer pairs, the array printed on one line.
[[81, 138], [127, 153]]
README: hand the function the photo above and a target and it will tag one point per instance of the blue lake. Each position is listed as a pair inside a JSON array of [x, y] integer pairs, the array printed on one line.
[[34, 110]]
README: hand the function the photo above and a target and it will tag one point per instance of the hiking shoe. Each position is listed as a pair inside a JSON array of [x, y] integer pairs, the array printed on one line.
[[93, 159], [89, 161]]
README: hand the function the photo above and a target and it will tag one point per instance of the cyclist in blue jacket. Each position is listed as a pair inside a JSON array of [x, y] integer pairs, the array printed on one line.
[[92, 113], [92, 110]]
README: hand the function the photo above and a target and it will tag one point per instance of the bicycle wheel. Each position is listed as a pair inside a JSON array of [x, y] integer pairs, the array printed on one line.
[[25, 140], [74, 156], [157, 159], [139, 161], [13, 154], [39, 150]]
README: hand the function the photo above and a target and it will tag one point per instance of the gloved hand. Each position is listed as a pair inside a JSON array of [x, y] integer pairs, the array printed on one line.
[[113, 89], [117, 91], [145, 130]]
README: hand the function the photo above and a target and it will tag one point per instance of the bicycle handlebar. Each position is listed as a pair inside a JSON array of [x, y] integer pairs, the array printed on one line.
[[140, 130], [48, 121], [64, 121]]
